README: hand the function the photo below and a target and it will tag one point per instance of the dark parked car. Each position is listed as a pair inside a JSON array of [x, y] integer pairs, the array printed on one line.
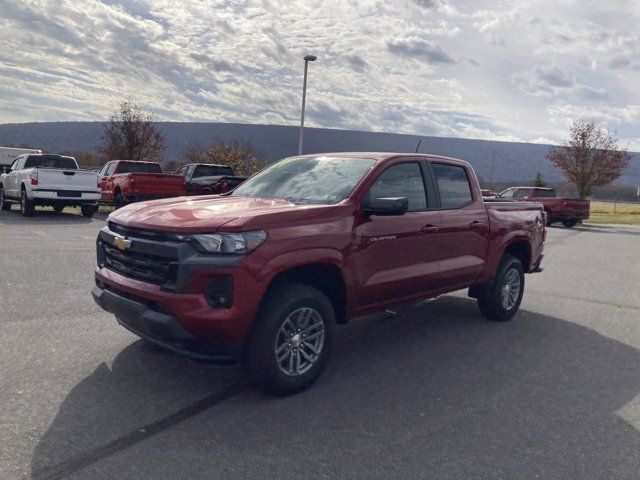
[[208, 178]]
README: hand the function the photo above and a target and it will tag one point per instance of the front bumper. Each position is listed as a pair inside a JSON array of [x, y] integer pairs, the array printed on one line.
[[174, 279], [148, 321]]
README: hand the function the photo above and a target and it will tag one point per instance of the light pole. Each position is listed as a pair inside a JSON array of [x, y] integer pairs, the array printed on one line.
[[307, 59]]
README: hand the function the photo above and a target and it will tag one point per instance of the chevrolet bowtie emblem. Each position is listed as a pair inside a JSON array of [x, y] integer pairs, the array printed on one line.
[[121, 243]]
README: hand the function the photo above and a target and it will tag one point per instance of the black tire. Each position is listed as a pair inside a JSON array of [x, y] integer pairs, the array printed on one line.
[[570, 223], [267, 335], [117, 199], [205, 191], [491, 301], [58, 208], [4, 203], [88, 210], [549, 219], [27, 207]]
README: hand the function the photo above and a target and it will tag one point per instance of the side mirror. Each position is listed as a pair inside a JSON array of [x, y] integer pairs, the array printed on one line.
[[386, 206], [5, 169]]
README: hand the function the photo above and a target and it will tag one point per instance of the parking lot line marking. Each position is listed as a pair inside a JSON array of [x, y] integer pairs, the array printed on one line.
[[92, 456], [68, 467]]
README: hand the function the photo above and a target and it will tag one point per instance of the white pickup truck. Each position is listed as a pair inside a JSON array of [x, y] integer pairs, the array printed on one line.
[[50, 180]]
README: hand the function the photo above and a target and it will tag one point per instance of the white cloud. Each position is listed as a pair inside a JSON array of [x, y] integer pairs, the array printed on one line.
[[488, 69]]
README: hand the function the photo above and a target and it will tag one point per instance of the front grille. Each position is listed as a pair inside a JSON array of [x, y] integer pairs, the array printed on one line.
[[138, 232], [137, 265]]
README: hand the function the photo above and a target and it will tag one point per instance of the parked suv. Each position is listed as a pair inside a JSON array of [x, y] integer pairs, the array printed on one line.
[[264, 273]]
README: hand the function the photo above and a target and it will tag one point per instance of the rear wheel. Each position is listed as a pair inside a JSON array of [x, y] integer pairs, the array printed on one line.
[[4, 203], [88, 210], [501, 299], [291, 340], [58, 208], [549, 220], [570, 223], [27, 207]]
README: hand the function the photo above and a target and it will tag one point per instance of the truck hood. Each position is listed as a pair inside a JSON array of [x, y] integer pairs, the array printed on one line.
[[205, 214]]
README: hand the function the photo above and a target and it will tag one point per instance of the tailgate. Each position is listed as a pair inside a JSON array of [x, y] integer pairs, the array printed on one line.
[[67, 180], [157, 183], [575, 206]]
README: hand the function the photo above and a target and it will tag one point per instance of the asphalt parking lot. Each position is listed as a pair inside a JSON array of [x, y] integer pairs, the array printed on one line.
[[434, 392]]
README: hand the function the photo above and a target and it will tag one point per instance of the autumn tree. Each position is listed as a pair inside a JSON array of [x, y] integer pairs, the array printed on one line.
[[236, 153], [131, 135], [86, 159], [590, 157]]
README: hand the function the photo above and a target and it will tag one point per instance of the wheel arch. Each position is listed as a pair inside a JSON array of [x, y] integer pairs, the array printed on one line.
[[324, 276]]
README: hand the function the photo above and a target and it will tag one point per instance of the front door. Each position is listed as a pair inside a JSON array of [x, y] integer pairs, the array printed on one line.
[[396, 257]]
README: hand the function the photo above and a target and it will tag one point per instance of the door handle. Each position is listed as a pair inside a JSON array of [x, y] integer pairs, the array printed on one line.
[[476, 224], [430, 228]]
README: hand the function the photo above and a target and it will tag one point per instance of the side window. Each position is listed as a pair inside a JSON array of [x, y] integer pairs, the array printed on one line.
[[103, 170], [401, 180], [111, 168], [508, 193], [521, 193], [453, 184], [16, 164], [539, 193], [190, 170], [182, 171]]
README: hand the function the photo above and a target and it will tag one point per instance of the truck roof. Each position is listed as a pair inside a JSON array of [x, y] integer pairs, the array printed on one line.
[[381, 156]]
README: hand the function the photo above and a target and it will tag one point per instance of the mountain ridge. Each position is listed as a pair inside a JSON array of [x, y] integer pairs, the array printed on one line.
[[495, 161]]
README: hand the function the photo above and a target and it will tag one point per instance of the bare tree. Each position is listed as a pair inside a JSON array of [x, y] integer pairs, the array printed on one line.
[[131, 135], [590, 158], [236, 153]]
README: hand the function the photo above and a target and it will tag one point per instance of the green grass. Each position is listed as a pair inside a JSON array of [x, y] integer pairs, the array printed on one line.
[[625, 214]]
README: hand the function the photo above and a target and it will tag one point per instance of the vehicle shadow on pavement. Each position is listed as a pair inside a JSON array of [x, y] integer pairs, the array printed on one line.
[[435, 392]]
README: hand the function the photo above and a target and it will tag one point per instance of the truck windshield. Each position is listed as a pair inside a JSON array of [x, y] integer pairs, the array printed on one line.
[[307, 180], [138, 167], [50, 161], [211, 171]]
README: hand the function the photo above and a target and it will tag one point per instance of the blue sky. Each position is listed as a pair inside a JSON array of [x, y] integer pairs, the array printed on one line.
[[503, 70]]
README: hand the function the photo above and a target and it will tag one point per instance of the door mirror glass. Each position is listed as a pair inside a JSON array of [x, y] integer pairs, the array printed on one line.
[[386, 206]]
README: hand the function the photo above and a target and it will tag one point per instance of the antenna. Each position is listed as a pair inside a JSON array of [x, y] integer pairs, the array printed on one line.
[[418, 146]]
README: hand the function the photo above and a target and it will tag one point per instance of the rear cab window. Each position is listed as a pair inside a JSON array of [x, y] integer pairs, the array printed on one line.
[[51, 161], [544, 193], [212, 171], [138, 167], [453, 185]]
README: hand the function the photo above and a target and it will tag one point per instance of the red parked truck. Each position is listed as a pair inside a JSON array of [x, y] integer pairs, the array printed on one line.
[[262, 274], [128, 181], [569, 211], [209, 178]]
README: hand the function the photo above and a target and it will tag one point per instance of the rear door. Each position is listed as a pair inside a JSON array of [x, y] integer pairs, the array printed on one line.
[[396, 258], [464, 233]]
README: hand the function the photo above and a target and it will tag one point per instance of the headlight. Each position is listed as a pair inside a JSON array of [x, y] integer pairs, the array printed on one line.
[[244, 242]]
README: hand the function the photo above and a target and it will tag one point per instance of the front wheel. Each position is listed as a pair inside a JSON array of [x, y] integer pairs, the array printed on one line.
[[117, 199], [501, 299], [4, 204], [58, 208], [570, 223], [88, 210], [27, 207], [291, 340]]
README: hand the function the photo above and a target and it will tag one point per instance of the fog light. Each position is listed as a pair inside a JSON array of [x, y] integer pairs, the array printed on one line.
[[219, 292]]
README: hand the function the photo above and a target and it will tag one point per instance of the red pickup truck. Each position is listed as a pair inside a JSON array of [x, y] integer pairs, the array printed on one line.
[[569, 211], [209, 178], [262, 274], [127, 181]]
